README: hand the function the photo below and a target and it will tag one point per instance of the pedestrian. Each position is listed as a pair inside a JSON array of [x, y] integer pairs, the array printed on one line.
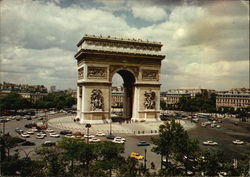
[[152, 165]]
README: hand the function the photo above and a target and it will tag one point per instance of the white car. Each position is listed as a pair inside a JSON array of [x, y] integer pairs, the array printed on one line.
[[30, 131], [100, 134], [94, 140], [50, 130], [210, 143], [69, 136], [218, 126], [34, 129], [39, 136], [119, 138], [118, 141], [25, 135], [54, 135], [239, 142], [89, 136]]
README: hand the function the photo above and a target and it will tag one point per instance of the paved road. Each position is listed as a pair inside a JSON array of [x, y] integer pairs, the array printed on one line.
[[130, 145]]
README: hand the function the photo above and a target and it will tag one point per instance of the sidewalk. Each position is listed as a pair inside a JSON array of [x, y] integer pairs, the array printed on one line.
[[139, 128]]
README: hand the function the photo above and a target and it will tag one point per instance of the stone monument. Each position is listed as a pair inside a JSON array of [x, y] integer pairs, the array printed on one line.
[[137, 61]]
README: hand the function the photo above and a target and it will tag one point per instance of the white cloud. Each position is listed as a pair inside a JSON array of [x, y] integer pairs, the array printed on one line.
[[203, 45], [149, 13]]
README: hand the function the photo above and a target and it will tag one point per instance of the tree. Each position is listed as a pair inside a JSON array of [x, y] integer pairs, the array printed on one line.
[[13, 101], [71, 147], [109, 156], [210, 162], [7, 142], [174, 143], [130, 168], [54, 160], [163, 105]]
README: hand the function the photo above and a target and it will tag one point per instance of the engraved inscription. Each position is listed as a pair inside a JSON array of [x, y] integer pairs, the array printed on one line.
[[150, 75], [97, 72]]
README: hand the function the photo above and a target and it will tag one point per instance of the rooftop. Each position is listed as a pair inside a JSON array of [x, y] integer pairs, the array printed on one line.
[[117, 39]]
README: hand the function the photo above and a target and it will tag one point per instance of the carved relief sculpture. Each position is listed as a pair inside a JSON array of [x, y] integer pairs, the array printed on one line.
[[149, 102], [96, 100], [97, 72], [80, 73], [150, 75]]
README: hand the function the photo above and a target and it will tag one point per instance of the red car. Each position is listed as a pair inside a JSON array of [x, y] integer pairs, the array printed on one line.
[[43, 127], [78, 134]]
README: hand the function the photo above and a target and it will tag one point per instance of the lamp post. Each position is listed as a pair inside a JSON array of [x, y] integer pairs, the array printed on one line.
[[88, 126], [145, 160]]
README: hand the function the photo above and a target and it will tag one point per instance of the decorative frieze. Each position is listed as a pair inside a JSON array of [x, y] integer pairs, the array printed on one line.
[[114, 68], [81, 73], [97, 72], [149, 102], [96, 100], [150, 75]]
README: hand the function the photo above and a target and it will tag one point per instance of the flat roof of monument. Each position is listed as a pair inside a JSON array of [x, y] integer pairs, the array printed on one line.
[[118, 40]]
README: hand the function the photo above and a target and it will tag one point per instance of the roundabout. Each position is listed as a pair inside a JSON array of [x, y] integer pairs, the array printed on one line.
[[135, 128]]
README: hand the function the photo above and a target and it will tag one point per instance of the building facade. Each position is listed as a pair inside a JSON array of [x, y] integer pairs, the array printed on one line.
[[234, 98], [172, 96], [33, 93]]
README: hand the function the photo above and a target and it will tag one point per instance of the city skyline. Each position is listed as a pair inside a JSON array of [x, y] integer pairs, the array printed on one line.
[[206, 44]]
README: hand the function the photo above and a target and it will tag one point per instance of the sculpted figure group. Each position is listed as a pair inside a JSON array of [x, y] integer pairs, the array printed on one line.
[[96, 100], [149, 102]]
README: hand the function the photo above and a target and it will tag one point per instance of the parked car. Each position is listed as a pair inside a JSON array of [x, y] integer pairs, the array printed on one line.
[[136, 155], [118, 141], [100, 134], [25, 135], [110, 137], [50, 130], [210, 143], [78, 134], [18, 130], [42, 133], [43, 127], [65, 132], [94, 140], [119, 138], [89, 136], [49, 143], [28, 143], [238, 142], [30, 132], [40, 136], [54, 135], [143, 143]]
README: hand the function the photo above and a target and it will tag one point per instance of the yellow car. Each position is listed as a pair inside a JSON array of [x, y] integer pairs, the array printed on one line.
[[136, 155]]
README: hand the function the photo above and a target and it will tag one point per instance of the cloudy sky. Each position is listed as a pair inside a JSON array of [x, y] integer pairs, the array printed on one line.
[[206, 42]]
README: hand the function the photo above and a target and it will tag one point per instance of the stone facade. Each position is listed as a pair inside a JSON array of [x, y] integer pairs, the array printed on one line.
[[137, 61], [234, 98]]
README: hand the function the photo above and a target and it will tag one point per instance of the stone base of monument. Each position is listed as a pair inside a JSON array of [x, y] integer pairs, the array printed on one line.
[[94, 117]]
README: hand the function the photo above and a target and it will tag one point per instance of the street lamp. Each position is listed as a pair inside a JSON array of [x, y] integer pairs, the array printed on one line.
[[145, 160], [88, 126]]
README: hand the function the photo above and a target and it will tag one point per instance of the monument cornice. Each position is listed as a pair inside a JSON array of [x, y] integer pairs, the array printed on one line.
[[83, 52], [118, 40], [85, 83]]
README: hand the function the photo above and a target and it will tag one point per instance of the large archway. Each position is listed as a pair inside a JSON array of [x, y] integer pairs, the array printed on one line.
[[137, 62], [127, 93]]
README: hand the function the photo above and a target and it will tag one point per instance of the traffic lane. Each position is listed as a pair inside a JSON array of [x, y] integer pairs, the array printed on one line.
[[131, 146]]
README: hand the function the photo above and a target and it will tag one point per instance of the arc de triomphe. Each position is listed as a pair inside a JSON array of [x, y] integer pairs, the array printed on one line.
[[137, 61]]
